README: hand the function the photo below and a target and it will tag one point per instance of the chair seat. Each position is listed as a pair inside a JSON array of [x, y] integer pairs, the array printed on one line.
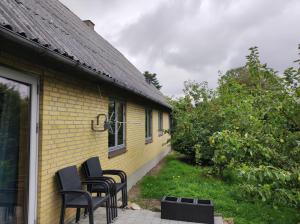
[[81, 201], [99, 188]]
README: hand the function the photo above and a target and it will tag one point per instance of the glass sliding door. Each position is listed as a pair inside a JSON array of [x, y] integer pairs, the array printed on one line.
[[15, 150]]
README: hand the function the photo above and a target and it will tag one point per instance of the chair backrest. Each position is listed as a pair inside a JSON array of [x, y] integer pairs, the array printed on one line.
[[69, 179], [92, 167]]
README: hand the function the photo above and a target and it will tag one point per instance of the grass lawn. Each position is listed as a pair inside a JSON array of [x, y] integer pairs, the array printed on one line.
[[177, 178]]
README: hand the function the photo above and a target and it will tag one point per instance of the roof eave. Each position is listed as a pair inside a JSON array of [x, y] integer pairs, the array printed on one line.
[[47, 53]]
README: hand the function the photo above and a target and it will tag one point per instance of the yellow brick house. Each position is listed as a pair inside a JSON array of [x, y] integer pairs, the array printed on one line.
[[60, 83]]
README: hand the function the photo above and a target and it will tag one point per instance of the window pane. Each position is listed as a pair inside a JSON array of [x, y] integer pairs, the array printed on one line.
[[121, 133], [111, 117], [146, 123], [150, 123], [14, 150], [160, 121]]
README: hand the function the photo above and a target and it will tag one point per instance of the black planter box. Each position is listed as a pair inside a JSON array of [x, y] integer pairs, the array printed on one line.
[[187, 209]]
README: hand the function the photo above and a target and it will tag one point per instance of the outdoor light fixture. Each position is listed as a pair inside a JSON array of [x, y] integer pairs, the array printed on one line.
[[105, 123]]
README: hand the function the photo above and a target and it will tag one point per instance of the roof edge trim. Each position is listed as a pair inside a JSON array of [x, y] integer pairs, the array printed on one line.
[[67, 61]]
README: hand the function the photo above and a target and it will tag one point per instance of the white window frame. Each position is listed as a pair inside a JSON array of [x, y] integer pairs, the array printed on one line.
[[33, 155], [121, 146]]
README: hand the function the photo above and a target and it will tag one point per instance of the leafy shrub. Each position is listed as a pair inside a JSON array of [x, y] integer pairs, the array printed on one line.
[[271, 184], [250, 125], [194, 123]]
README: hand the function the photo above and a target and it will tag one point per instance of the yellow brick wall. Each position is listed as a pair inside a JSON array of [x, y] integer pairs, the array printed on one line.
[[67, 106]]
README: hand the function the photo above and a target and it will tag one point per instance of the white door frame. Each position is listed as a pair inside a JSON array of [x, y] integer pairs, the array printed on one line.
[[33, 155]]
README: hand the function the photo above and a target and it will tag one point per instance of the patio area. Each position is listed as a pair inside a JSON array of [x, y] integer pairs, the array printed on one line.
[[143, 216]]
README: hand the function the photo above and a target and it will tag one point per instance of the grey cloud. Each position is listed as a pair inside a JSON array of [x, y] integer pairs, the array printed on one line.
[[154, 32], [178, 25], [193, 39], [209, 37]]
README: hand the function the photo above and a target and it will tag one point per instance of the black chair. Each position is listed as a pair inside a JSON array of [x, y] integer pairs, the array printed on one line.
[[73, 195], [93, 171], [99, 190]]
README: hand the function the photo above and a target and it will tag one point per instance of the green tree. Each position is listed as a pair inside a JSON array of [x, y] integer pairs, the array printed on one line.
[[152, 78], [249, 127]]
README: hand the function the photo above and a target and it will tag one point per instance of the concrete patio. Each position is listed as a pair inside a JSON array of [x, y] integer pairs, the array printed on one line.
[[136, 217]]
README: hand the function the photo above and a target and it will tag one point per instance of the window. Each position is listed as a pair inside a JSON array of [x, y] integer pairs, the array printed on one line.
[[116, 131], [160, 123], [148, 125]]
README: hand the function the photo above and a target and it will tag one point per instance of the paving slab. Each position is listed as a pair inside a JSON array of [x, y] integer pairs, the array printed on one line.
[[126, 216]]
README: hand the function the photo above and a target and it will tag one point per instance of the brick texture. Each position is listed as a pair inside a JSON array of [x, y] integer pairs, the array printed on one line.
[[67, 106]]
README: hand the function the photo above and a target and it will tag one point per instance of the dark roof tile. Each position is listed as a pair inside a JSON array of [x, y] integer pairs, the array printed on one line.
[[54, 26]]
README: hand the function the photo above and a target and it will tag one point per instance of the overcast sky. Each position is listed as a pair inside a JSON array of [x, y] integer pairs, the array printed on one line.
[[194, 39]]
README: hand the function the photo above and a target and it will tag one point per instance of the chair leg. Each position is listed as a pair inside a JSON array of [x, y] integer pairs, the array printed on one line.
[[116, 205], [91, 216], [108, 218], [113, 204], [124, 197], [77, 215], [111, 211], [62, 214]]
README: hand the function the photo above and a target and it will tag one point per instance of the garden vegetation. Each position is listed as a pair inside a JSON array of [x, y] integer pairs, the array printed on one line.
[[181, 179], [247, 130]]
